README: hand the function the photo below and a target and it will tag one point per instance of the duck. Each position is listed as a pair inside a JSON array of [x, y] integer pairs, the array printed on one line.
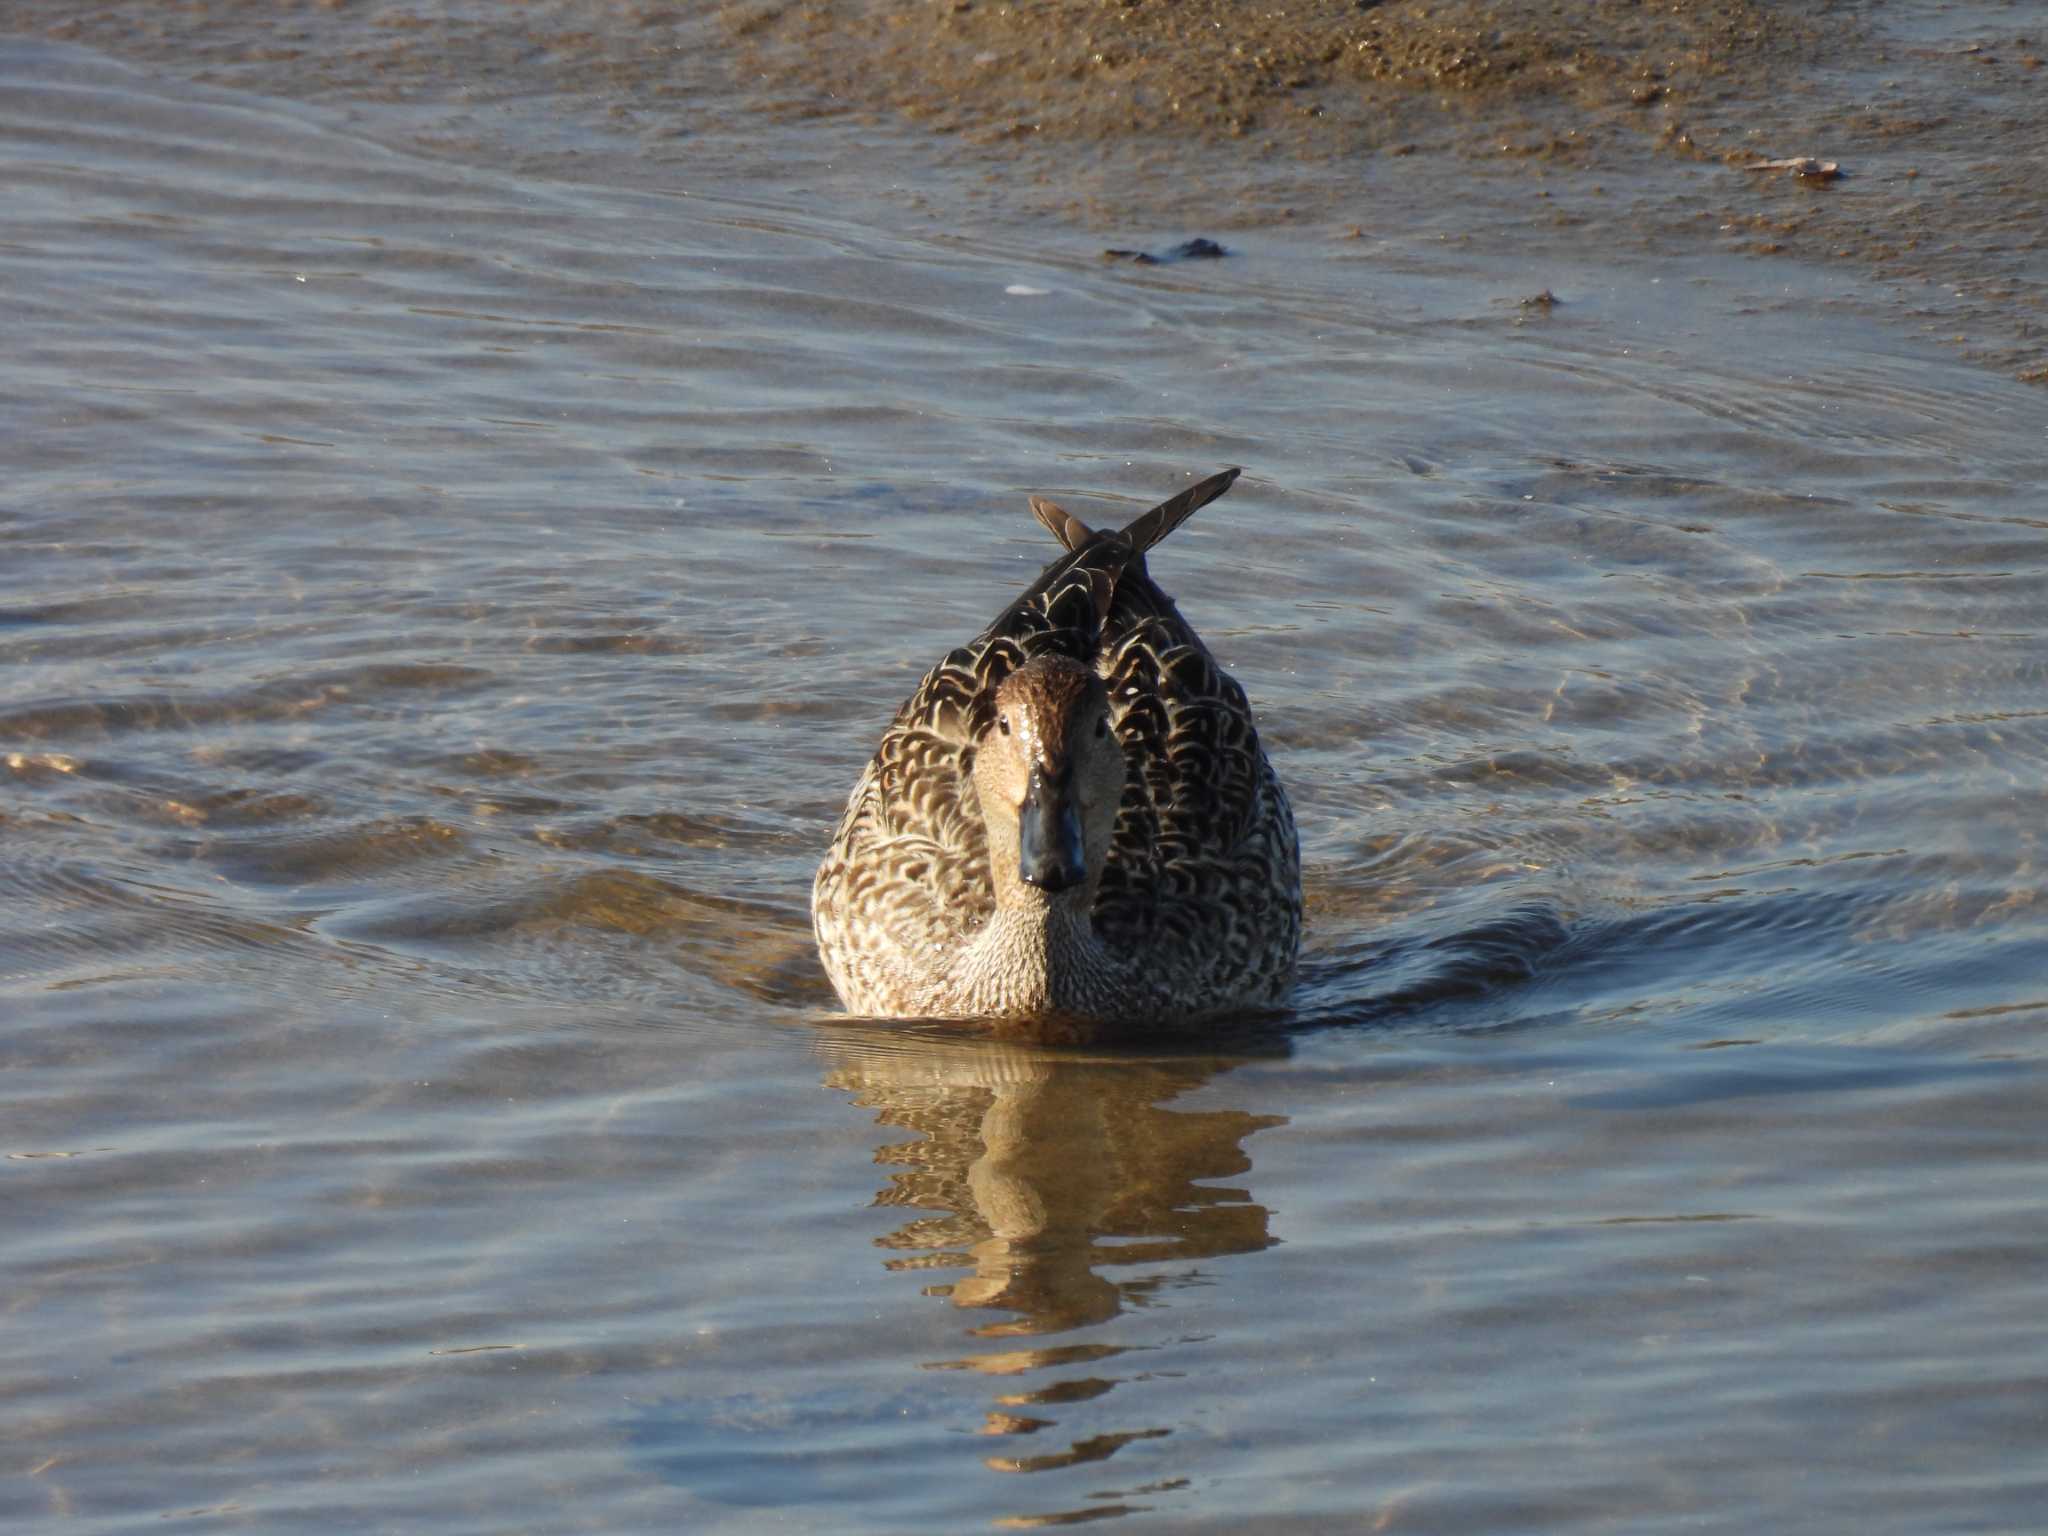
[[1071, 824]]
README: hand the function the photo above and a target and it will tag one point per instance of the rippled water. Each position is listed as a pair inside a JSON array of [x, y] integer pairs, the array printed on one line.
[[443, 605]]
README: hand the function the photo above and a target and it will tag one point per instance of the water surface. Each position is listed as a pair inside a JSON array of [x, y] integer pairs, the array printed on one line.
[[445, 598]]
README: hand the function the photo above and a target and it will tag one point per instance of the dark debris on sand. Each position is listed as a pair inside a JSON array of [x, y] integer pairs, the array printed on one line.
[[1197, 249]]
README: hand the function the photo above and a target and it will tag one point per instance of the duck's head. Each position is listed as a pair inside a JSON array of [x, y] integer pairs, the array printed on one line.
[[1050, 774]]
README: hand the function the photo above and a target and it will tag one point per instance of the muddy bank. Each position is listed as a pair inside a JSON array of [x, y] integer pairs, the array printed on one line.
[[1338, 73]]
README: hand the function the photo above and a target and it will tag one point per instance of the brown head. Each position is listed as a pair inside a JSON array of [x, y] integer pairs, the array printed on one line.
[[1050, 774]]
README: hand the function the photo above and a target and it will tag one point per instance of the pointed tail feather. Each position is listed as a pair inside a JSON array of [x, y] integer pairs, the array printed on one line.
[[1155, 525], [1062, 524]]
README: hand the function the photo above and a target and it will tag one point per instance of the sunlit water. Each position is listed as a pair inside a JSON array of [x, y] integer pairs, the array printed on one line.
[[443, 607]]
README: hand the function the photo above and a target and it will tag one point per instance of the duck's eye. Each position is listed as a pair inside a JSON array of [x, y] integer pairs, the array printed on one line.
[[1003, 724], [1101, 726]]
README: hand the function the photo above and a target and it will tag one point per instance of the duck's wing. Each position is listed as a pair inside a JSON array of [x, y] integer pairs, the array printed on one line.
[[1205, 848], [1197, 788]]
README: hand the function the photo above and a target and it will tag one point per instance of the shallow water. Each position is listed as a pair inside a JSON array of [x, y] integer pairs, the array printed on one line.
[[443, 603]]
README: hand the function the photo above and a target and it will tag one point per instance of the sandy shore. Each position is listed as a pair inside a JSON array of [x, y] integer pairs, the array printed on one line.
[[1334, 73]]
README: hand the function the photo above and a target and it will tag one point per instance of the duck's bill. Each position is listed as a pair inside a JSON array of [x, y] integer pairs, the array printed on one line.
[[1049, 836]]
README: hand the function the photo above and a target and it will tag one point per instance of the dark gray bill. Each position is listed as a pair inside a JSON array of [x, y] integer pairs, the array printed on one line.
[[1049, 836]]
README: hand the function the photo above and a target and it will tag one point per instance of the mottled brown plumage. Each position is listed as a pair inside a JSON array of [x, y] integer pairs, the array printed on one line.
[[1071, 821]]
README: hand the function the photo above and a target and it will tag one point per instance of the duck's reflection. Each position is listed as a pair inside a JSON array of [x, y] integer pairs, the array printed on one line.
[[1060, 1183]]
